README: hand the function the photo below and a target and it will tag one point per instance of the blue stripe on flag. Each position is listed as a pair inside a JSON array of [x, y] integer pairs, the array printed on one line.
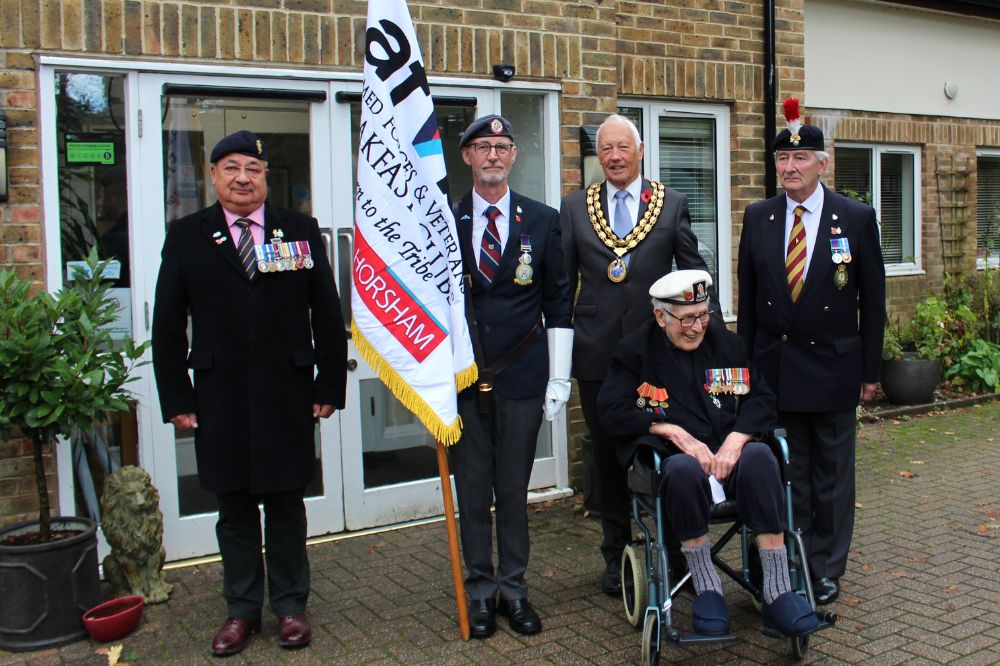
[[429, 314]]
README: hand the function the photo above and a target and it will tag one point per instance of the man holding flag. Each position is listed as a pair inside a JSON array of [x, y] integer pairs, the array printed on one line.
[[511, 246]]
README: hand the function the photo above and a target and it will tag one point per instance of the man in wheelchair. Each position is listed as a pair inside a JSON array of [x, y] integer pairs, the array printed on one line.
[[689, 391]]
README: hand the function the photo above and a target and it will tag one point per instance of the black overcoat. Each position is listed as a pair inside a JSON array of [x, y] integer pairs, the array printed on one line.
[[262, 351], [647, 356]]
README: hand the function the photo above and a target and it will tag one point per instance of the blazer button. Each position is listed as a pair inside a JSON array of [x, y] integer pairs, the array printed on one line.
[[784, 338], [769, 304], [812, 342], [486, 328], [826, 308]]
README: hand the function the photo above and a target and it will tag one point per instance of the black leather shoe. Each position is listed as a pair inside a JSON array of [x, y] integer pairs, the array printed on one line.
[[523, 618], [826, 590], [611, 581], [482, 617]]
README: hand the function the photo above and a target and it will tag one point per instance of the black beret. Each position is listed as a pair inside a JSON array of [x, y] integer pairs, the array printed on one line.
[[809, 137], [242, 143], [492, 125]]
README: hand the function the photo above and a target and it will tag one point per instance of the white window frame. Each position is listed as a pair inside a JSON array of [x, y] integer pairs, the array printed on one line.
[[994, 261], [914, 267], [652, 111]]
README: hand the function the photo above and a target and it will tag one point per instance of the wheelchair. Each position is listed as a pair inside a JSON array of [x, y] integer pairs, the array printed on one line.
[[648, 585]]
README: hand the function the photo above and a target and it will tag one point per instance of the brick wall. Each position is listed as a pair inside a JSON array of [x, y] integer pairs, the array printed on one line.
[[710, 50]]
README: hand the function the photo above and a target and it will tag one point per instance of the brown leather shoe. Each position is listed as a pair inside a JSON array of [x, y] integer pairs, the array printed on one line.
[[234, 635], [294, 631]]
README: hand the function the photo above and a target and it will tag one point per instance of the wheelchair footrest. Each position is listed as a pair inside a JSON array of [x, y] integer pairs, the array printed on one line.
[[826, 620], [702, 639]]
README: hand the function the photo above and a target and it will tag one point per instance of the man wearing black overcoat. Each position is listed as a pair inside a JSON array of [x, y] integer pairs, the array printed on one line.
[[268, 351], [619, 236], [812, 315], [513, 256]]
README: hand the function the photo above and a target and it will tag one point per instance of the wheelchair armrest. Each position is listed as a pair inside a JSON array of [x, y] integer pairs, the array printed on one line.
[[778, 441]]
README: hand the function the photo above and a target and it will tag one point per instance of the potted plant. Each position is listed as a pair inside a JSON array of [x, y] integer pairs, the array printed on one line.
[[914, 354], [60, 368]]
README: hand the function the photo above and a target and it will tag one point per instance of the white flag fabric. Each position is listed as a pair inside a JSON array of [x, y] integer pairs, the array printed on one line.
[[407, 300]]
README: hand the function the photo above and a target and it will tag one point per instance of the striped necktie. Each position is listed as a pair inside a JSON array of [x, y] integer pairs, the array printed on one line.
[[795, 257], [244, 247], [489, 251]]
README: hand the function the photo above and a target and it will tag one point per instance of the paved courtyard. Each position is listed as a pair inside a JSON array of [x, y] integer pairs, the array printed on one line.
[[922, 587]]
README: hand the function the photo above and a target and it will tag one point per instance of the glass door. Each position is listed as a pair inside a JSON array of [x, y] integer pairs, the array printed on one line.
[[390, 460], [183, 118]]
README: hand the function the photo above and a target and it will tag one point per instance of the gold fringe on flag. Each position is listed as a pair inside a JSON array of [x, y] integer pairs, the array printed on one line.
[[444, 433]]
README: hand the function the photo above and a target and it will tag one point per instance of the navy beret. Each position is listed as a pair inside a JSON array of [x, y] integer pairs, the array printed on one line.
[[809, 137], [242, 143], [492, 125]]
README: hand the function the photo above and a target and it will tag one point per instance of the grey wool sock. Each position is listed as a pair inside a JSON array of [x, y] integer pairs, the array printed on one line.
[[776, 581], [703, 573]]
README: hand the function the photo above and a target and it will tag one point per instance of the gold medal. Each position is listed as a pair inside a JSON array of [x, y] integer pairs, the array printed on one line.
[[617, 270], [522, 274]]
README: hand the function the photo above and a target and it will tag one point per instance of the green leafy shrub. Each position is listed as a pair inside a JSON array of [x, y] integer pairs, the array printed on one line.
[[978, 368], [938, 330], [59, 365]]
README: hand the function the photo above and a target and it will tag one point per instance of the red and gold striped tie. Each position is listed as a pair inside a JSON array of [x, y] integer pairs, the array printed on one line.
[[795, 257]]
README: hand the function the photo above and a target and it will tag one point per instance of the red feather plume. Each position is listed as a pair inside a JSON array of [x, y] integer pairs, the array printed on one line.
[[791, 108]]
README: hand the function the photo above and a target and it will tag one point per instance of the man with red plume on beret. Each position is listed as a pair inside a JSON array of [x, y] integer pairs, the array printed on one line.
[[812, 314]]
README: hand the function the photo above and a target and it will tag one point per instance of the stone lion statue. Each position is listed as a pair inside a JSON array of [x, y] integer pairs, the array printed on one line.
[[133, 525]]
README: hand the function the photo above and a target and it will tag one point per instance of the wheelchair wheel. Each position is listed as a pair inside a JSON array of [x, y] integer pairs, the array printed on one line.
[[635, 591], [800, 646], [756, 576], [651, 640]]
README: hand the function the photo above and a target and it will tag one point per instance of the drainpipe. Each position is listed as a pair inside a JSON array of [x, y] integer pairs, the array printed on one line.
[[770, 98]]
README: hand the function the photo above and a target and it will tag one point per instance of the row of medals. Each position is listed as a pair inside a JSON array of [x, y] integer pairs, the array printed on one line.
[[618, 269], [278, 256], [841, 256]]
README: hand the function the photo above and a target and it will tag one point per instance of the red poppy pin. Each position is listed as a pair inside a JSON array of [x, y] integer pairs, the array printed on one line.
[[646, 196]]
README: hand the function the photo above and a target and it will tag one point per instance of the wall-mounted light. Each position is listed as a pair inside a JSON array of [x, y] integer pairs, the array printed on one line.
[[504, 72], [3, 155], [950, 89]]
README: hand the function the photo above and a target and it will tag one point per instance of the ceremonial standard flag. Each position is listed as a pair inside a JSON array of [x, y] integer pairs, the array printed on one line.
[[409, 309]]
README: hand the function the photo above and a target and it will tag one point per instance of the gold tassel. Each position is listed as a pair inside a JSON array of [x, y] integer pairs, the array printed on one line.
[[446, 434]]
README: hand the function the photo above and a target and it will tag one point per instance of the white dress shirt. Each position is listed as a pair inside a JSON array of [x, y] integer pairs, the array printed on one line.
[[810, 220]]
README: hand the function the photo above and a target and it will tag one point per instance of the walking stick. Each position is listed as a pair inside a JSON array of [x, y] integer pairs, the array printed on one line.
[[449, 520]]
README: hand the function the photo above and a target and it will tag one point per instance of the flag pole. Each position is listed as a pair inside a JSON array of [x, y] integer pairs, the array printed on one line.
[[449, 520]]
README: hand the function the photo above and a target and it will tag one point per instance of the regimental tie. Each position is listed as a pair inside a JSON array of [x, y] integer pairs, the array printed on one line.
[[489, 251], [795, 257], [244, 247]]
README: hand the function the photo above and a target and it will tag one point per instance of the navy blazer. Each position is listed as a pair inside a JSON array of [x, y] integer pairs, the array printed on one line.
[[262, 351], [506, 311], [647, 355], [815, 353]]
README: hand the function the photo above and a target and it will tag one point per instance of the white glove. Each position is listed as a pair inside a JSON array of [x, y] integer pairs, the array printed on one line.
[[560, 361]]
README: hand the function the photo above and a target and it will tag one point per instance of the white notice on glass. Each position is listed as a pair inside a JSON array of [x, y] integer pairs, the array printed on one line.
[[718, 494]]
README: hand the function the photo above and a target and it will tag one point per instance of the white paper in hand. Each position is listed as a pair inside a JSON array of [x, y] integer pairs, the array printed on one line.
[[718, 494]]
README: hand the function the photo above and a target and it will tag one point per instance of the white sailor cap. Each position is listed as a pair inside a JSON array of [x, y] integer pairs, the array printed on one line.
[[682, 287]]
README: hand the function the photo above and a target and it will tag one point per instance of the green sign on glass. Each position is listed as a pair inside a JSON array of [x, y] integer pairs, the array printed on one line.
[[92, 152]]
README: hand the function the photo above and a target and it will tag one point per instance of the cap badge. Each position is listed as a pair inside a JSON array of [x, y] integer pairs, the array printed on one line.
[[260, 147], [795, 138], [496, 126]]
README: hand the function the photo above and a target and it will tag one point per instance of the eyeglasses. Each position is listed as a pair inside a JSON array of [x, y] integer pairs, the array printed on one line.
[[483, 148], [251, 170], [688, 322]]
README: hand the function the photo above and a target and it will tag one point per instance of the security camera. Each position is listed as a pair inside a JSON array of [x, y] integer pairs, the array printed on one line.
[[503, 72]]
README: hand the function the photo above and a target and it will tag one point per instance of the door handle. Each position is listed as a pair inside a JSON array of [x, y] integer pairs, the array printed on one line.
[[352, 364]]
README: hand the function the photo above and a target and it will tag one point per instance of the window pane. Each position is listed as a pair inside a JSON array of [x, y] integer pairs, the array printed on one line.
[[896, 208], [853, 173], [687, 164], [988, 207], [524, 111]]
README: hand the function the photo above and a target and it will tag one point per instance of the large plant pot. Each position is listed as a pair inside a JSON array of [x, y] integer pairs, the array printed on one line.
[[910, 380], [45, 588]]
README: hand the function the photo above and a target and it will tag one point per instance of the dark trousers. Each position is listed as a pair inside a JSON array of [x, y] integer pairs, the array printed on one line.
[[612, 482], [822, 451], [238, 532], [754, 484], [494, 459]]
